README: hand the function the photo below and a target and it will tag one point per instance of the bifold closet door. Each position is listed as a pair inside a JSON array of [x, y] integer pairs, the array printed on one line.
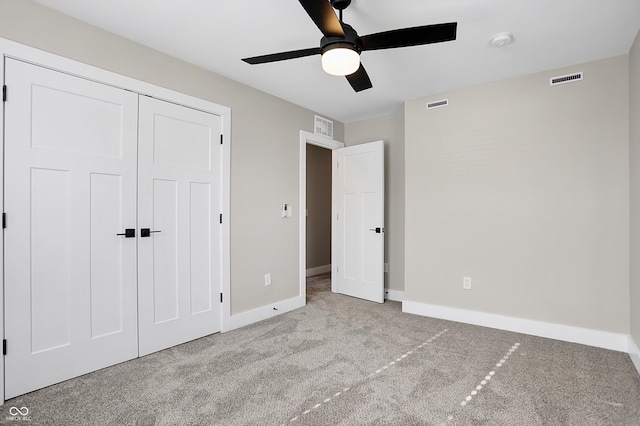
[[179, 263], [70, 188]]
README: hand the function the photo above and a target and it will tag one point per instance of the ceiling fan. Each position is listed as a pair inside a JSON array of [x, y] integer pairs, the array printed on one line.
[[341, 45]]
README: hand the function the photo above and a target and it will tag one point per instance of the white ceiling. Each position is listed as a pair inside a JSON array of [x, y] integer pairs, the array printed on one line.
[[217, 34]]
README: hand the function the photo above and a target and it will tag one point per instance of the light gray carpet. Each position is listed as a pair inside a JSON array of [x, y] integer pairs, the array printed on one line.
[[344, 361]]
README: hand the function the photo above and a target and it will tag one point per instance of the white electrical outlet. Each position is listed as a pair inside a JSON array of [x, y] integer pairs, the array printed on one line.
[[267, 279], [466, 283]]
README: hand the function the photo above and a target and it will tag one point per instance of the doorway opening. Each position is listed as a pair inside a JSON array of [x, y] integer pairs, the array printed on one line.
[[317, 149], [357, 217], [318, 216], [318, 211]]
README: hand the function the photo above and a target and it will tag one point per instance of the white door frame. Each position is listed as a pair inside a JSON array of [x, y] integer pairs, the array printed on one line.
[[39, 57], [323, 142]]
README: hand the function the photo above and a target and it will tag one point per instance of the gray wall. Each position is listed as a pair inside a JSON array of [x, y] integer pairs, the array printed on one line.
[[524, 188], [318, 206], [390, 129], [634, 139], [264, 152]]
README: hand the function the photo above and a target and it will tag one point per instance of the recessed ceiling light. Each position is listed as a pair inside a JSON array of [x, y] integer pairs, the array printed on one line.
[[501, 39]]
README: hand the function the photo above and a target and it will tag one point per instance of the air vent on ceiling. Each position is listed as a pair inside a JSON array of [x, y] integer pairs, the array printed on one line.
[[565, 78], [438, 104], [323, 127]]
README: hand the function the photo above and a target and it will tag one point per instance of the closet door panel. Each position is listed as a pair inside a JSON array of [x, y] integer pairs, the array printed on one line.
[[70, 187], [107, 279], [179, 279], [164, 251], [200, 266], [51, 265]]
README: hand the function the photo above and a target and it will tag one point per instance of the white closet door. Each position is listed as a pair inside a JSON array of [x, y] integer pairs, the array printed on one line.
[[179, 263], [70, 187]]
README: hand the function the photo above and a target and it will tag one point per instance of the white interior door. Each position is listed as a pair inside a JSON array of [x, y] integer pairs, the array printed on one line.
[[70, 187], [179, 263], [357, 248]]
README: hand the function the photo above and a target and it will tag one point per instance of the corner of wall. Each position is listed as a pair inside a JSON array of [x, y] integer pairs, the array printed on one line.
[[634, 201], [634, 353]]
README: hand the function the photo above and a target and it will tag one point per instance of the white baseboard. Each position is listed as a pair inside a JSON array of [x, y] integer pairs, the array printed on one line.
[[585, 336], [318, 270], [263, 313], [395, 295], [634, 353]]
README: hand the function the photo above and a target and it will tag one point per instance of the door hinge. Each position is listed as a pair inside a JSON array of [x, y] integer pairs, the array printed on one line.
[[4, 346], [221, 138], [4, 220], [220, 217], [220, 297], [4, 93]]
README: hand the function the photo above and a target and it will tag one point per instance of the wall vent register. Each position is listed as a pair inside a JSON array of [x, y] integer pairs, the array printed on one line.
[[553, 81], [438, 104], [323, 127]]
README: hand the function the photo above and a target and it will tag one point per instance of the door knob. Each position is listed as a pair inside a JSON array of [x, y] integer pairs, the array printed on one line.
[[129, 233], [377, 230], [146, 232]]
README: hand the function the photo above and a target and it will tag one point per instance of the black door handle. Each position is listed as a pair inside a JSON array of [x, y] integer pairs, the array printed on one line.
[[378, 230], [146, 232], [129, 233]]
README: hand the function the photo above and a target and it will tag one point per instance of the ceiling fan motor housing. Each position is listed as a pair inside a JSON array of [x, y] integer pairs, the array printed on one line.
[[351, 40], [340, 4]]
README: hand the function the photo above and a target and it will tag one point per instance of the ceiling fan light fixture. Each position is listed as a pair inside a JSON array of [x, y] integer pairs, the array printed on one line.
[[340, 46], [340, 59]]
